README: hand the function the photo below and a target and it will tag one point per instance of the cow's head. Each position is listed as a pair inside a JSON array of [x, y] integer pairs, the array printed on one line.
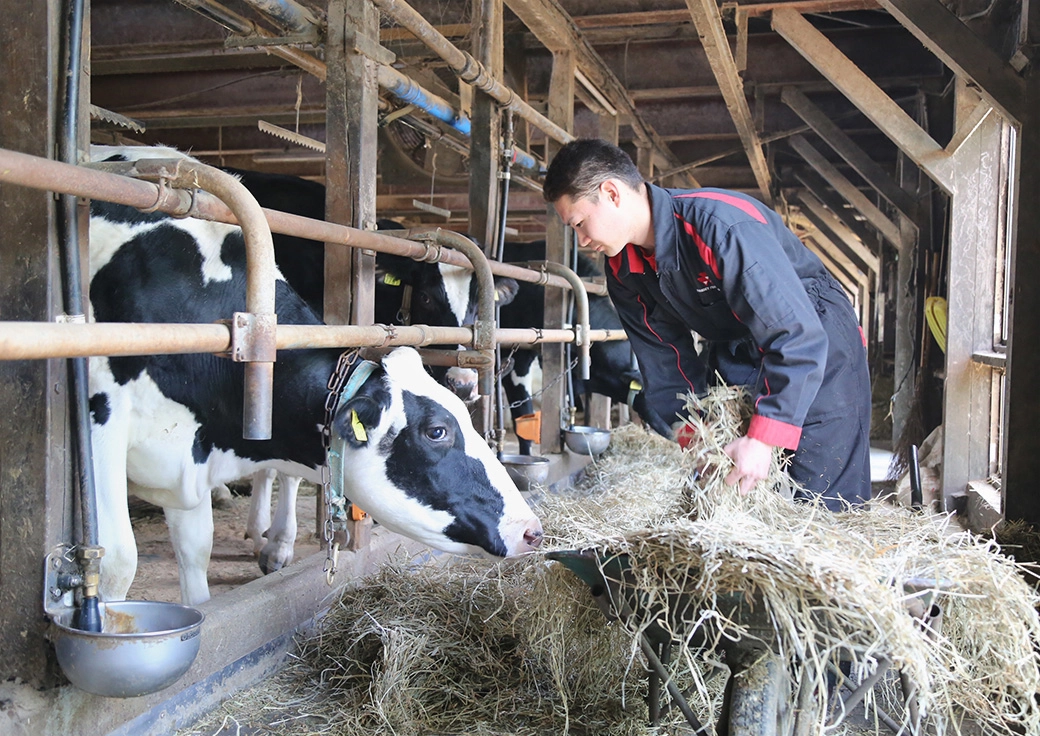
[[414, 461], [440, 295]]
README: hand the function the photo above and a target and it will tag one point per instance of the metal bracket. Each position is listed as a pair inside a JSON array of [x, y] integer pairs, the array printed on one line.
[[61, 577], [369, 48], [252, 337]]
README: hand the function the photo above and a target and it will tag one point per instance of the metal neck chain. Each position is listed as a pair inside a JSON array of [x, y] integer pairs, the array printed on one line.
[[545, 386], [335, 387]]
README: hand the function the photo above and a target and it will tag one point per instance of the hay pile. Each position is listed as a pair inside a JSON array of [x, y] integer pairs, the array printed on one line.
[[519, 648]]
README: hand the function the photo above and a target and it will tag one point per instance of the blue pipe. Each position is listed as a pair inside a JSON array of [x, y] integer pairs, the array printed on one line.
[[408, 91]]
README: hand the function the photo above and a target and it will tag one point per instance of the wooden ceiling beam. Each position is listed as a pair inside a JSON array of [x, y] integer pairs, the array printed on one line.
[[706, 18]]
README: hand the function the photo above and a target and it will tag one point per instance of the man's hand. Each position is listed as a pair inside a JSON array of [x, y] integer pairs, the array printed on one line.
[[751, 460]]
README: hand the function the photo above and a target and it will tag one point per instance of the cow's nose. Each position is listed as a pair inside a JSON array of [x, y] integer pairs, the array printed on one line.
[[533, 537]]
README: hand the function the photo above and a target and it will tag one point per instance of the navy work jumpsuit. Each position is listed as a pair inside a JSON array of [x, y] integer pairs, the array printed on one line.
[[726, 267]]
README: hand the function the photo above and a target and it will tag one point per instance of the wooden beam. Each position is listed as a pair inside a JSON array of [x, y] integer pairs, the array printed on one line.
[[706, 18], [676, 17], [864, 94], [833, 226], [555, 29], [957, 47], [836, 138], [484, 189], [842, 209], [846, 188]]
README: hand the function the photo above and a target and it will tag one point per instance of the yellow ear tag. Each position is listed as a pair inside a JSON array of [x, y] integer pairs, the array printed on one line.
[[359, 429], [391, 280], [635, 386]]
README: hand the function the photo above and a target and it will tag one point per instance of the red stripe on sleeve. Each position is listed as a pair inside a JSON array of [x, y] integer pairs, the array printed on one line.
[[774, 432]]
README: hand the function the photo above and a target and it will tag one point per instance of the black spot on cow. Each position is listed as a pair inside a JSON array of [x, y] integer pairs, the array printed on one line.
[[99, 408]]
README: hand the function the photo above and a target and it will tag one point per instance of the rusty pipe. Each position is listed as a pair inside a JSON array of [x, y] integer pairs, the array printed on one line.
[[258, 341], [581, 304], [467, 68], [82, 181], [484, 327], [40, 340], [97, 181]]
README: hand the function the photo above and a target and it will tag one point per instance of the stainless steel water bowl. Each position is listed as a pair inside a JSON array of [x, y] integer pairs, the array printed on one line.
[[143, 647], [586, 440], [526, 470]]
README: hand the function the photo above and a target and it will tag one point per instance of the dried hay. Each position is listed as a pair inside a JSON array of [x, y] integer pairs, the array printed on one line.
[[518, 647]]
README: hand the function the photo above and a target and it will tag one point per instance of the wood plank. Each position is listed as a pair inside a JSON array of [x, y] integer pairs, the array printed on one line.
[[836, 138], [864, 94], [706, 18], [948, 38], [834, 227], [842, 209], [846, 189]]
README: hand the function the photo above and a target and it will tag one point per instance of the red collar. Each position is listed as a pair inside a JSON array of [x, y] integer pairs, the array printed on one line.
[[638, 260]]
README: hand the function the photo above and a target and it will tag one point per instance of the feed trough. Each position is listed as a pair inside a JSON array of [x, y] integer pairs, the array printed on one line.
[[143, 647], [526, 470], [586, 440]]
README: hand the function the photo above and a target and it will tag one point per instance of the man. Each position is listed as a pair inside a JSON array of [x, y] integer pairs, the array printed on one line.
[[724, 265]]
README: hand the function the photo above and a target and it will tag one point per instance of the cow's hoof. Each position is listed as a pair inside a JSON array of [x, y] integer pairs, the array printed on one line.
[[272, 558]]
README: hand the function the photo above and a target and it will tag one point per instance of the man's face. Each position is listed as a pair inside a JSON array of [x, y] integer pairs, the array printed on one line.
[[596, 220]]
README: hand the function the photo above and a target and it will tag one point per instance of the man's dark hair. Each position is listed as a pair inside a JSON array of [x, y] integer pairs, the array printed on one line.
[[583, 164]]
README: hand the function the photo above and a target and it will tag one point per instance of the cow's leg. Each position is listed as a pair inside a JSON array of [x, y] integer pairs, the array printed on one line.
[[518, 388], [222, 497], [259, 520], [278, 552], [115, 533], [191, 532]]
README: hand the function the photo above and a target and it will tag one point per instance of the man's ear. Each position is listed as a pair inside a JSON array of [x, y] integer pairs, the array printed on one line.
[[611, 191]]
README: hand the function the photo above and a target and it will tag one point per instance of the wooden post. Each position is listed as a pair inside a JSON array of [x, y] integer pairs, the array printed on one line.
[[35, 467], [350, 178], [561, 112], [484, 187]]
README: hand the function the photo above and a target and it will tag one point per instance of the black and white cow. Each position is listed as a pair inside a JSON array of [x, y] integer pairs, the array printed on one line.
[[442, 295], [169, 426]]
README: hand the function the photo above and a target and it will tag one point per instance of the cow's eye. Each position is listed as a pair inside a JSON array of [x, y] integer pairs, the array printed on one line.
[[437, 433]]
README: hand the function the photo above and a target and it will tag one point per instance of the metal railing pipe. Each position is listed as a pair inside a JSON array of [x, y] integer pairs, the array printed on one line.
[[484, 327], [41, 340], [581, 305], [467, 68]]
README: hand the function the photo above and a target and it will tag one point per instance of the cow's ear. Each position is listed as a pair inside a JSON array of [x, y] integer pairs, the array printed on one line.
[[399, 268], [356, 419], [360, 414], [505, 290]]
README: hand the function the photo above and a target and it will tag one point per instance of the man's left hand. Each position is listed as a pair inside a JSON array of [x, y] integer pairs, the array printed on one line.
[[751, 460]]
